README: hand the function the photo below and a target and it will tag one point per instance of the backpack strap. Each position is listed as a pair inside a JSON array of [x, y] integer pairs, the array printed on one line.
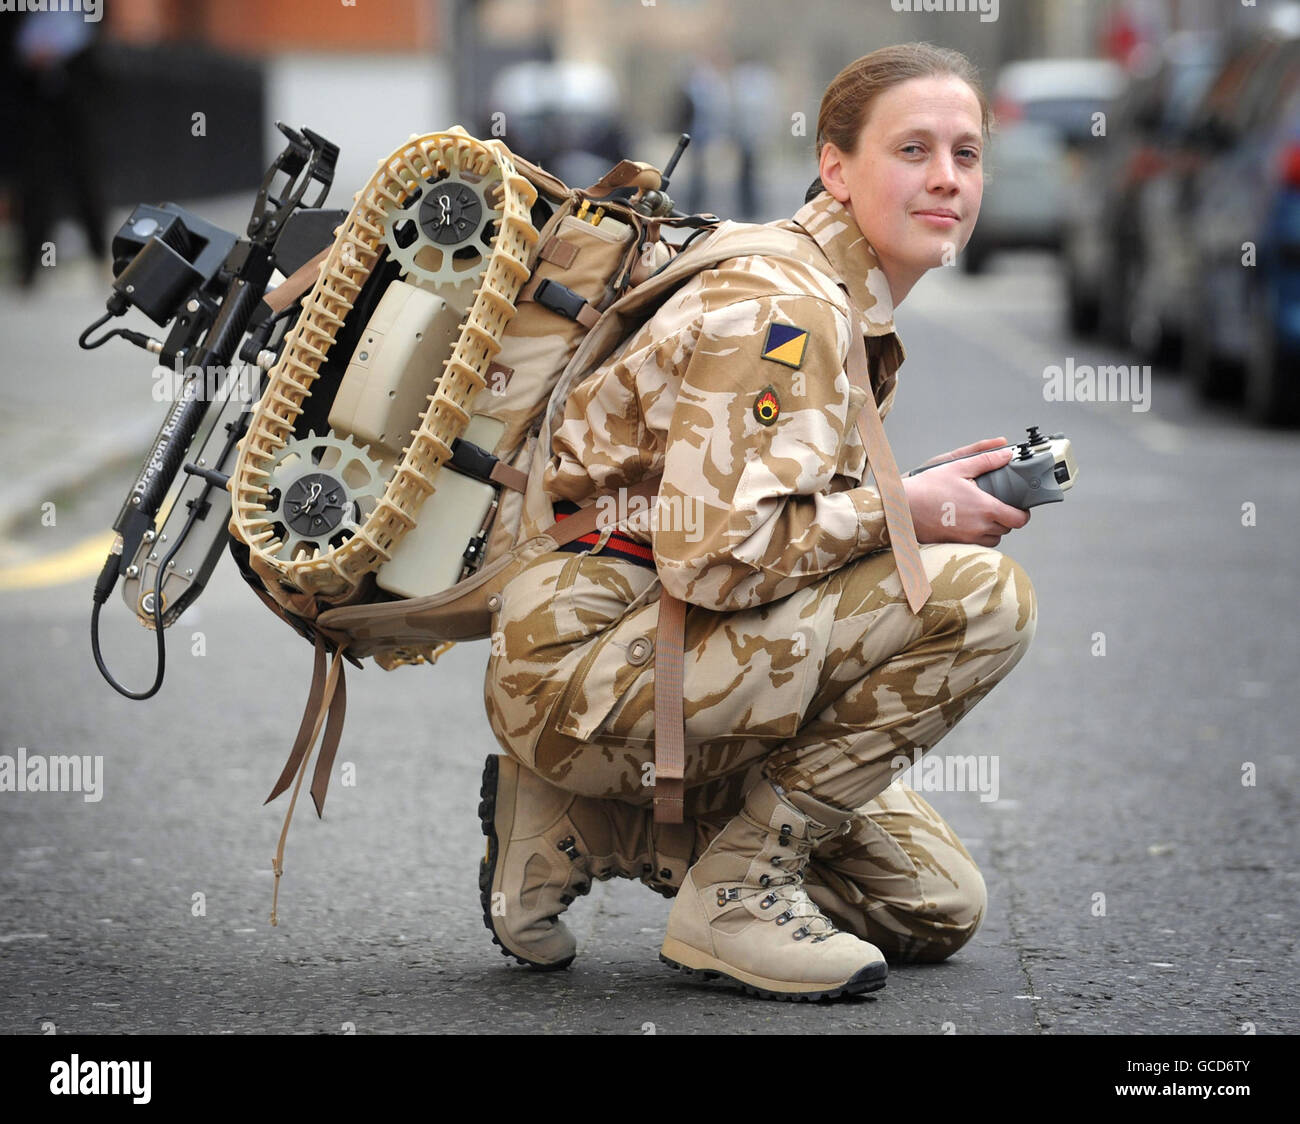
[[509, 477], [670, 722], [587, 519], [326, 704]]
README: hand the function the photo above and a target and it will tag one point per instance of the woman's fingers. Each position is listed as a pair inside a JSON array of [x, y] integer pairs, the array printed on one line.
[[979, 446], [984, 462], [1005, 524], [967, 450]]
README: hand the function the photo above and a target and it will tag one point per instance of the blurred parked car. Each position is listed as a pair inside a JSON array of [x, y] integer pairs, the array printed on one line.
[[1044, 110], [1124, 250], [1243, 230]]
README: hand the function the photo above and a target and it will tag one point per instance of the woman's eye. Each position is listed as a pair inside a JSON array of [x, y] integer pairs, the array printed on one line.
[[965, 153]]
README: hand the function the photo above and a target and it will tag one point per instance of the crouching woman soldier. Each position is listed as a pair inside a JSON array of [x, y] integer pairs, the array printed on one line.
[[820, 640]]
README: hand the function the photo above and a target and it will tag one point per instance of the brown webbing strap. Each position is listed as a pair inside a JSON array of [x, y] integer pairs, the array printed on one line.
[[297, 283], [328, 695], [509, 477], [670, 728], [329, 745], [309, 716], [893, 497], [586, 520], [557, 250], [623, 173], [324, 693]]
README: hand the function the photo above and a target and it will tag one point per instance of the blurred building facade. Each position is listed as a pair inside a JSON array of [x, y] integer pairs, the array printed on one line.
[[257, 27], [367, 73]]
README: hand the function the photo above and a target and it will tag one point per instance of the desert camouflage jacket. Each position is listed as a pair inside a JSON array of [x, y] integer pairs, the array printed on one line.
[[736, 391]]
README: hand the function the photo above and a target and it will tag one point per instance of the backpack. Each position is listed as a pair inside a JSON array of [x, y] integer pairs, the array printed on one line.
[[556, 295]]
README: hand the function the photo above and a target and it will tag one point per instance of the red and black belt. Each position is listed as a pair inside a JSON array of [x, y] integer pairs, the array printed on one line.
[[618, 545]]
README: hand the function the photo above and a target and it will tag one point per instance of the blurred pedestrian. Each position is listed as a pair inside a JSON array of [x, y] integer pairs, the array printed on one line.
[[56, 72], [704, 111], [753, 96]]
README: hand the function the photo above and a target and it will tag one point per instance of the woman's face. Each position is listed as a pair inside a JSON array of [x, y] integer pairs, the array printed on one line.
[[919, 151]]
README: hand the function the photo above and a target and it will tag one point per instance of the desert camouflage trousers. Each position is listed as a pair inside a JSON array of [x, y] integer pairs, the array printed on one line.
[[821, 691]]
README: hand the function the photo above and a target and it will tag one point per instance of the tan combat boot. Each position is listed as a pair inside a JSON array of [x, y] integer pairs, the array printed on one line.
[[742, 912], [545, 846]]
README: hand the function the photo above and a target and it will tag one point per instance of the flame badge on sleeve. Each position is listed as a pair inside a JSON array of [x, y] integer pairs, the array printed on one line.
[[767, 408]]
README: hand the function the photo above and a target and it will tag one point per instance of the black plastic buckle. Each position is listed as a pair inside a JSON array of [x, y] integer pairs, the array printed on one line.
[[559, 298], [470, 460]]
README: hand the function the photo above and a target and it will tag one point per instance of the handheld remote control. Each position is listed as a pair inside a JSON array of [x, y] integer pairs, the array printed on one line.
[[1042, 472]]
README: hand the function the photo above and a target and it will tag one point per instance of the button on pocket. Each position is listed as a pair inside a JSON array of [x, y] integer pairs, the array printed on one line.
[[639, 650]]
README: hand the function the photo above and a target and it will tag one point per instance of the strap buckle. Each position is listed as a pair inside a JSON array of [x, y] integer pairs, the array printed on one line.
[[559, 298]]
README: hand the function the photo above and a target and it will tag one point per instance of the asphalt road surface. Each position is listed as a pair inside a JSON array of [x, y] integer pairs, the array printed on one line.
[[1140, 853]]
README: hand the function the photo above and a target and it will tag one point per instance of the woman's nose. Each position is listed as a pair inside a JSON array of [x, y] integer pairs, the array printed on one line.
[[943, 173]]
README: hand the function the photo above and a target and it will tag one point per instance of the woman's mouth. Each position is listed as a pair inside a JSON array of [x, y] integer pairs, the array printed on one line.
[[942, 219]]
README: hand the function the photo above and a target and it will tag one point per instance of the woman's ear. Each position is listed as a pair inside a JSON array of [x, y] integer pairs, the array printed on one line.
[[831, 166]]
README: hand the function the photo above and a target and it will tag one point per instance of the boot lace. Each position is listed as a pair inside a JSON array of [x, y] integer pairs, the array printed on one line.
[[786, 889]]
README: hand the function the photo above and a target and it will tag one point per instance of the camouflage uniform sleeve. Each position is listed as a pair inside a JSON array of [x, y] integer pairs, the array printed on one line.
[[750, 507]]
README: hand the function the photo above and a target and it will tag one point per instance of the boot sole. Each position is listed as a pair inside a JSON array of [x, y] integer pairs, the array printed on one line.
[[684, 958], [488, 864]]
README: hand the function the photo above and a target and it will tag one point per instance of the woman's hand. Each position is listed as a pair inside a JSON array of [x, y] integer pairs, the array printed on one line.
[[966, 450], [948, 506]]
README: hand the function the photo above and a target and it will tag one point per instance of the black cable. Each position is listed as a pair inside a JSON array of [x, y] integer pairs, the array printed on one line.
[[117, 305], [81, 340], [104, 586], [138, 338], [108, 676]]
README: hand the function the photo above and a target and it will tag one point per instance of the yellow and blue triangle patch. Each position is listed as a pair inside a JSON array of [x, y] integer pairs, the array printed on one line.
[[785, 344]]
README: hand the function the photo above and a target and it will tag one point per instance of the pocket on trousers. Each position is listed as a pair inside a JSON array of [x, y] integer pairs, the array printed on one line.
[[548, 607], [610, 667], [561, 627], [571, 619], [747, 674]]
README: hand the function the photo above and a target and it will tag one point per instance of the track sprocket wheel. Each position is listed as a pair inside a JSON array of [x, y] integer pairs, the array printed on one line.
[[322, 488], [442, 232]]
